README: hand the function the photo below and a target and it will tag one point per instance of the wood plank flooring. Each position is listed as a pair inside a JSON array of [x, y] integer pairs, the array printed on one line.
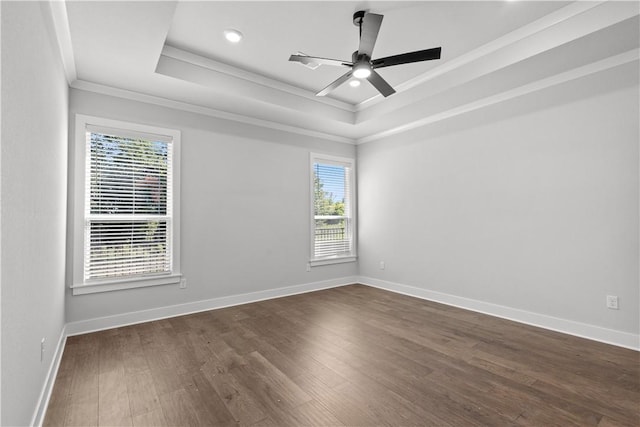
[[354, 356]]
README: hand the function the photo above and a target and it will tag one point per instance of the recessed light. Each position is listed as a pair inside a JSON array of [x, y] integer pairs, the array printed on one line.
[[354, 83], [234, 36]]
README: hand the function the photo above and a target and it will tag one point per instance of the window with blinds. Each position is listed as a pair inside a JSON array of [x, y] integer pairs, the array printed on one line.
[[333, 223], [128, 205]]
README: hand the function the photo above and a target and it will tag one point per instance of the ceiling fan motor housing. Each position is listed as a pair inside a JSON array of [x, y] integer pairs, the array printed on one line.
[[358, 17], [355, 58]]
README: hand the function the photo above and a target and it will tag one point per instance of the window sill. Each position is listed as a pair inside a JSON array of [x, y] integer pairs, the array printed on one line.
[[117, 285], [329, 261]]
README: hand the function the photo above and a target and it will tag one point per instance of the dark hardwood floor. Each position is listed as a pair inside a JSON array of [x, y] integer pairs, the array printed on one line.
[[354, 356]]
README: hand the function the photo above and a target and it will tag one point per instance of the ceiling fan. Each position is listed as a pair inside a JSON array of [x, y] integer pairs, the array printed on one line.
[[361, 64]]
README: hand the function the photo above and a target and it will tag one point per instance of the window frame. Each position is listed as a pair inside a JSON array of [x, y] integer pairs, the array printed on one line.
[[79, 286], [338, 161]]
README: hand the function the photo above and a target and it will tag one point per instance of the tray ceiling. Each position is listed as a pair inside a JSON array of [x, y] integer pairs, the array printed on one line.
[[275, 30], [174, 53]]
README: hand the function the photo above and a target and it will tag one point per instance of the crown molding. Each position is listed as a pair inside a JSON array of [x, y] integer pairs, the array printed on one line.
[[248, 76], [576, 73], [249, 93], [535, 27], [58, 10], [562, 26], [573, 21], [211, 112]]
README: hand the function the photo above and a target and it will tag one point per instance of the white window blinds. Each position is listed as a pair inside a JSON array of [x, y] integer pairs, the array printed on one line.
[[128, 204], [333, 199]]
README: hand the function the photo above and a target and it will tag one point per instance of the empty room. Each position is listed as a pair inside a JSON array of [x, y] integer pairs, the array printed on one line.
[[320, 213]]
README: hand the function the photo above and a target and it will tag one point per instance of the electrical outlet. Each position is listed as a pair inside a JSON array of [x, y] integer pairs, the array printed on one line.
[[308, 267], [183, 283], [382, 265], [612, 302], [42, 349]]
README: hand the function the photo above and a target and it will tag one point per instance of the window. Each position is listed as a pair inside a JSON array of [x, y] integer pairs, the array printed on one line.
[[333, 210], [127, 202]]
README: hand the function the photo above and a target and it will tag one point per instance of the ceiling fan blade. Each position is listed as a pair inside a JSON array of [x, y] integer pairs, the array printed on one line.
[[381, 84], [407, 58], [310, 60], [369, 33], [335, 84]]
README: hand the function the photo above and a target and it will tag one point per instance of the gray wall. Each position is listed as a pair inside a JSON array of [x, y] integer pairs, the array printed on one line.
[[34, 176], [245, 208], [531, 204]]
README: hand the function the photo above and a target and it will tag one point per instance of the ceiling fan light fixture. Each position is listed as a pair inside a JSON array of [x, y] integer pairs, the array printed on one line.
[[362, 71], [234, 36], [361, 64]]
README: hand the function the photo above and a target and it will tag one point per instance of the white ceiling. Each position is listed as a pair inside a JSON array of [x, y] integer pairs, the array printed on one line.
[[174, 53], [275, 30]]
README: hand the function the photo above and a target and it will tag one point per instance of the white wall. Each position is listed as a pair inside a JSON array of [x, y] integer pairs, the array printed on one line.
[[34, 182], [531, 204], [245, 209]]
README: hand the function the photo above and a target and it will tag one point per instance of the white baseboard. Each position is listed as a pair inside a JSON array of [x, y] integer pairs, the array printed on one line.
[[47, 388], [101, 323], [583, 330]]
